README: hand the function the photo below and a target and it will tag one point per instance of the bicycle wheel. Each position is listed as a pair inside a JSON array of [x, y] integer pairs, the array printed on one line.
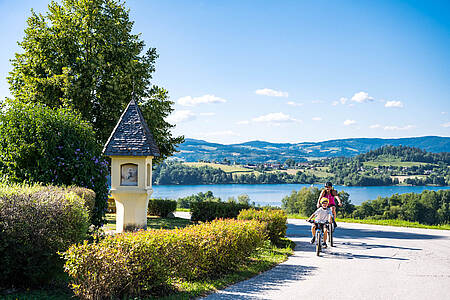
[[318, 243], [330, 235]]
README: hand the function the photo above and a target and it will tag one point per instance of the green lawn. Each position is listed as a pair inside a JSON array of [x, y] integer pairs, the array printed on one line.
[[153, 222]]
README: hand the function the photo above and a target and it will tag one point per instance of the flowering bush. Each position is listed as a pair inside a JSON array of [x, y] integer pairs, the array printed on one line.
[[52, 146], [133, 264], [275, 219], [35, 223]]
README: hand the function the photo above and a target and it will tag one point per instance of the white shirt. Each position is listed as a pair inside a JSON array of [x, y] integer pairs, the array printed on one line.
[[323, 215]]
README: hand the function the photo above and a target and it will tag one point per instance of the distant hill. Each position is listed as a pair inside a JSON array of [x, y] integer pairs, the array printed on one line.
[[259, 151]]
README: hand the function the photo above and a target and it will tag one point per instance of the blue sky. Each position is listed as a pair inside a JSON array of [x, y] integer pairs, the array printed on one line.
[[289, 71]]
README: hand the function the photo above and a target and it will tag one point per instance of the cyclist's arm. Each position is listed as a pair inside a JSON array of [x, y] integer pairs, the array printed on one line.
[[320, 197], [338, 199]]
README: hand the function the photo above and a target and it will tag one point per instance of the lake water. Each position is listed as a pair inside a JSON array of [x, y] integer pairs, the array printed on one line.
[[271, 194]]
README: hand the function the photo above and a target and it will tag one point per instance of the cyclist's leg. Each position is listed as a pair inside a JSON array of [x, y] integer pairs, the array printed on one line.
[[313, 231]]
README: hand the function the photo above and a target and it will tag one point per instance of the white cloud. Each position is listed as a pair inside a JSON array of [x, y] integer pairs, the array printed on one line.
[[343, 100], [361, 97], [245, 122], [443, 112], [192, 101], [180, 116], [349, 122], [207, 114], [274, 118], [317, 101], [292, 103], [375, 126], [317, 119], [271, 93], [407, 127], [393, 104], [335, 103], [446, 125]]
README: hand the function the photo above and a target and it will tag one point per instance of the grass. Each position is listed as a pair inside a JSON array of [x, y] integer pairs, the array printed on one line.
[[153, 222], [396, 223], [264, 259]]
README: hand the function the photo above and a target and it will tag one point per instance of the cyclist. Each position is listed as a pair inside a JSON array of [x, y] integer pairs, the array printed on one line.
[[322, 215], [331, 194]]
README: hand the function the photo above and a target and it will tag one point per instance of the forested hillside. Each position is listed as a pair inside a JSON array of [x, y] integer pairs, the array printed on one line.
[[390, 165], [387, 165]]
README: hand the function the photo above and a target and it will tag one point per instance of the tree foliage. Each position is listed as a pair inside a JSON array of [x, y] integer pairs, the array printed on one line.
[[52, 146], [428, 207], [83, 54]]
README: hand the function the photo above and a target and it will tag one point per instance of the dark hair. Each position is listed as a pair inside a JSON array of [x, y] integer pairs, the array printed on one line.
[[328, 184]]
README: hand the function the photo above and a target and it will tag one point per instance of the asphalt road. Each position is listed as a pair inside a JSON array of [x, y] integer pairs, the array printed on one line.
[[368, 262]]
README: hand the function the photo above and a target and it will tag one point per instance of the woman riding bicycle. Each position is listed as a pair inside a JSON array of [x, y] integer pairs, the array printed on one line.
[[322, 215], [331, 194]]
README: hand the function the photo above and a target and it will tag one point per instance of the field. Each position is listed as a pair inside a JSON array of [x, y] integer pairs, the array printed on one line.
[[408, 164], [402, 178], [320, 172], [225, 168]]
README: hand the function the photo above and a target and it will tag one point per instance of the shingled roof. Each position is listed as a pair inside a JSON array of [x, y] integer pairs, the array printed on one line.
[[131, 136]]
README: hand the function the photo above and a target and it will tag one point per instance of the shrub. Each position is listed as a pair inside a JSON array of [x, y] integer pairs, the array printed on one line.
[[134, 264], [52, 146], [161, 207], [208, 211], [275, 219], [35, 223]]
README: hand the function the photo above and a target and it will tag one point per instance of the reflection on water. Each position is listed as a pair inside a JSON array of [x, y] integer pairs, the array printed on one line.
[[271, 194]]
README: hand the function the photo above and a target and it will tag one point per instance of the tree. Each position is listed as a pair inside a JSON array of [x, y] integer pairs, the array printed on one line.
[[82, 54]]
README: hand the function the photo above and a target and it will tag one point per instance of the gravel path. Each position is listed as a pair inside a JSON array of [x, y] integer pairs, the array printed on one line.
[[368, 262]]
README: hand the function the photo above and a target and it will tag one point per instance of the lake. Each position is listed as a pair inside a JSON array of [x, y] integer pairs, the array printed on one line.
[[271, 194]]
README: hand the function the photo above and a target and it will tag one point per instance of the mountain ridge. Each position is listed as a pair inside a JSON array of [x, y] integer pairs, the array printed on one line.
[[262, 151]]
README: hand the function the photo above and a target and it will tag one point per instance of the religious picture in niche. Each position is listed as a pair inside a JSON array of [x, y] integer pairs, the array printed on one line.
[[129, 175]]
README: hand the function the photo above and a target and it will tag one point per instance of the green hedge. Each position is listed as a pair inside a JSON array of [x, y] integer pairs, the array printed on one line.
[[161, 207], [135, 264], [35, 223], [275, 219], [208, 210]]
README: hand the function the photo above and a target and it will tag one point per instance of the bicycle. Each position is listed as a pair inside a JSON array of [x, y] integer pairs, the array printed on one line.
[[318, 236], [330, 227]]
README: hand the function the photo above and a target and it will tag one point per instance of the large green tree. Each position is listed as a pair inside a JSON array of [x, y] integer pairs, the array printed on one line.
[[82, 54]]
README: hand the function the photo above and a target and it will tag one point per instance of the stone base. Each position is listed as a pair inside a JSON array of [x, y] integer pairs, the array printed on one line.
[[131, 209]]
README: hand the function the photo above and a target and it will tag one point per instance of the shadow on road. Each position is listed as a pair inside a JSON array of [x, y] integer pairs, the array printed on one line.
[[348, 255], [295, 230], [372, 246], [270, 280]]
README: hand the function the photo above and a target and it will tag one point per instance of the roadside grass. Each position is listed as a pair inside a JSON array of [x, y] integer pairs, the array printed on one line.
[[264, 259], [396, 223], [183, 209]]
